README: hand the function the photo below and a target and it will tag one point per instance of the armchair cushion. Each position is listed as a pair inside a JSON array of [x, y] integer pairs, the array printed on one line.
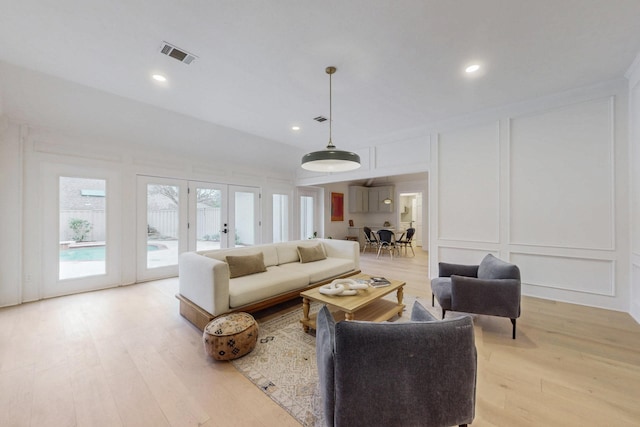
[[447, 270], [497, 297]]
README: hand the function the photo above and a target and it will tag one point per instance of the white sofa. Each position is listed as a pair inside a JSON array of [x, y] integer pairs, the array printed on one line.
[[206, 291]]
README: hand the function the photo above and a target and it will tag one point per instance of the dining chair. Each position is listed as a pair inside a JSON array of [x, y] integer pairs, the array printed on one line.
[[369, 240], [406, 243], [387, 242]]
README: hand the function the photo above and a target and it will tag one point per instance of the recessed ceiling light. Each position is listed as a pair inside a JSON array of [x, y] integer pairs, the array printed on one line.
[[472, 68], [159, 78], [295, 127]]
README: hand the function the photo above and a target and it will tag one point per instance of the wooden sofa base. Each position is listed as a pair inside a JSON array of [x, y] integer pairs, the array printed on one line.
[[200, 318]]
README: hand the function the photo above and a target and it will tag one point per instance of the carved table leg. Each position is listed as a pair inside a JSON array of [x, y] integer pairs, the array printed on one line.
[[349, 316], [305, 314], [400, 295]]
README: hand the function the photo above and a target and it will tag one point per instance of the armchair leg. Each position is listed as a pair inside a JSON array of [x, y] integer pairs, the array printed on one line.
[[432, 300], [443, 312], [513, 322]]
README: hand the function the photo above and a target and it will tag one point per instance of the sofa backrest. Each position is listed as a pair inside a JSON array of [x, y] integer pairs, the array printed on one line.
[[495, 268], [269, 252], [288, 251]]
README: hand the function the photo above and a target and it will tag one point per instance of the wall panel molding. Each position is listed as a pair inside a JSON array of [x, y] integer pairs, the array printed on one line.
[[568, 273], [470, 208], [561, 160], [76, 151]]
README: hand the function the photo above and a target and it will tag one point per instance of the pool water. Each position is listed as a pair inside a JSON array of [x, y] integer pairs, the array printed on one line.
[[90, 253]]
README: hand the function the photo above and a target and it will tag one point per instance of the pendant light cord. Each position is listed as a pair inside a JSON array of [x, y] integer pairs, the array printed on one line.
[[330, 71]]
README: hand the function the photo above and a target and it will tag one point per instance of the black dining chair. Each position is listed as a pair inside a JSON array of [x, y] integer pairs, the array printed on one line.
[[369, 239], [406, 243], [387, 242]]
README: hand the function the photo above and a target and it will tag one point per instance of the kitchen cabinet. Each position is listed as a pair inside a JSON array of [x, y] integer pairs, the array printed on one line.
[[377, 195], [370, 199], [358, 199]]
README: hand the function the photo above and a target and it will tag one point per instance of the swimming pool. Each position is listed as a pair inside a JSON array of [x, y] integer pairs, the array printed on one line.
[[92, 253]]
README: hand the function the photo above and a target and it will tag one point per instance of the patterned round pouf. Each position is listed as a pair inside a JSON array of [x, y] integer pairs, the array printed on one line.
[[230, 336]]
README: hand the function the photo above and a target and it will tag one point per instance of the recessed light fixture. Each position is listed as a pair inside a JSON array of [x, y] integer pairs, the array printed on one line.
[[159, 78], [472, 68], [295, 127]]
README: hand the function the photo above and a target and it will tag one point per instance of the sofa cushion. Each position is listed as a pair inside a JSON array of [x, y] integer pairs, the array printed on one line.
[[245, 265], [288, 251], [323, 269], [311, 253], [258, 287]]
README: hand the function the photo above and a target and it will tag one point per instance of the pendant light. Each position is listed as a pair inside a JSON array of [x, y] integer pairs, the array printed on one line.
[[330, 159]]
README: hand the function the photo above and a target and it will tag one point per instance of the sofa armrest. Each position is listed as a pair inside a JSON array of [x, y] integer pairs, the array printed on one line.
[[205, 282], [496, 297], [447, 270], [342, 249]]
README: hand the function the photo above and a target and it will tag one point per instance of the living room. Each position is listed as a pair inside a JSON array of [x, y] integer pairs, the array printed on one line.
[[542, 169]]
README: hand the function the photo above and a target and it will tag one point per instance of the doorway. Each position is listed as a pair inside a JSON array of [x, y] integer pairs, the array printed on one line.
[[410, 211]]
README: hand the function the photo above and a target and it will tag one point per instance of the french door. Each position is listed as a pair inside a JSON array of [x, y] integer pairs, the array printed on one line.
[[178, 215], [80, 237]]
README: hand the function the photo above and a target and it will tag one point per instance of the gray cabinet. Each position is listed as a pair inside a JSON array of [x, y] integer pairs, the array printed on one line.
[[370, 199], [377, 195], [358, 199]]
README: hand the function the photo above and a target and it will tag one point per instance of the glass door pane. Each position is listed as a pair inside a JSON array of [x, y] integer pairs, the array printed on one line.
[[307, 217], [163, 225], [280, 217], [207, 216], [244, 223], [82, 230]]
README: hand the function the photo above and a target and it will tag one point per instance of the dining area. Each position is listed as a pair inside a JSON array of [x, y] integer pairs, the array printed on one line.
[[388, 240]]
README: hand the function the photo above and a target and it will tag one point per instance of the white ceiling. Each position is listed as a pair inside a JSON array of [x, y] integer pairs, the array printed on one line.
[[261, 63]]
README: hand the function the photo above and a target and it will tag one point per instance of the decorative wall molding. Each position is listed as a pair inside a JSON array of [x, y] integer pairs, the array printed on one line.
[[159, 163], [572, 271], [465, 199], [76, 151], [554, 115]]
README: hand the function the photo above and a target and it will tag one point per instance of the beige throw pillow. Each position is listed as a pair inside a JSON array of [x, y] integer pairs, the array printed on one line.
[[245, 265], [311, 253]]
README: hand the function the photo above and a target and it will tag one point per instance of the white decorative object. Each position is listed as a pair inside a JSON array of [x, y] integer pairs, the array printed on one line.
[[342, 287]]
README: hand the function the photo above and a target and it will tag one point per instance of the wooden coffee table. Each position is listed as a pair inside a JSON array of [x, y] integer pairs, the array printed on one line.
[[366, 305]]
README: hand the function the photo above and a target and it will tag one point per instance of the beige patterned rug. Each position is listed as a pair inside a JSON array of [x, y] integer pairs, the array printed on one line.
[[283, 364]]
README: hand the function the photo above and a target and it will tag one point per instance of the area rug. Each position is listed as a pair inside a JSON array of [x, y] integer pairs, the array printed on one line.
[[283, 364]]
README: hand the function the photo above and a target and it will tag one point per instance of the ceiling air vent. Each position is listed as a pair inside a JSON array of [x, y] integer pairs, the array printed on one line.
[[320, 119], [177, 53]]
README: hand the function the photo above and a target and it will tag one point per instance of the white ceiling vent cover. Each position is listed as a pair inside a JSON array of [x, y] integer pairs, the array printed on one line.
[[177, 53]]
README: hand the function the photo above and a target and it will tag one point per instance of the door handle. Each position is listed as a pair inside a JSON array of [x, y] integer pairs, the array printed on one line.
[[225, 230]]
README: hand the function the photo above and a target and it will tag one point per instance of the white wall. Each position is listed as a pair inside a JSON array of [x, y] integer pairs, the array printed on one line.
[[10, 212], [544, 185], [634, 154]]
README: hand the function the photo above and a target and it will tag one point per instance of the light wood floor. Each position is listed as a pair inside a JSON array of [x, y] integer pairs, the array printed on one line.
[[124, 356]]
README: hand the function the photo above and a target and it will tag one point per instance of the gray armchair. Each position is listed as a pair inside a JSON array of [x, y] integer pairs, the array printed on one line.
[[420, 373], [491, 288]]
